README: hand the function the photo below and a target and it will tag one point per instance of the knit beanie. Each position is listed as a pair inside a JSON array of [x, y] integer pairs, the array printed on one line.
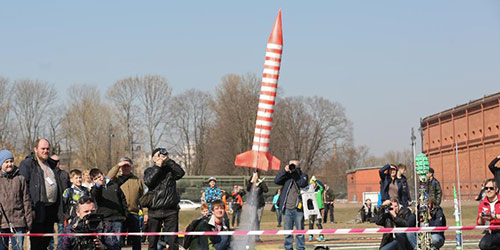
[[5, 155]]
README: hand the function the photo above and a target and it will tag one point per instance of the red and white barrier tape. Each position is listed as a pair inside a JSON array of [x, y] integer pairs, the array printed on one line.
[[278, 232]]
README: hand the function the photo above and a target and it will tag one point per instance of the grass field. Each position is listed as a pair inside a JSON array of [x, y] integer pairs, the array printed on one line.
[[345, 213]]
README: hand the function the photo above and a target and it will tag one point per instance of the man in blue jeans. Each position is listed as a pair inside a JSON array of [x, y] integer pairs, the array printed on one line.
[[290, 203]]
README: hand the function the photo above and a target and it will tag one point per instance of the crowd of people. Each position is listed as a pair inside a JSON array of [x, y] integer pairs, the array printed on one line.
[[38, 195]]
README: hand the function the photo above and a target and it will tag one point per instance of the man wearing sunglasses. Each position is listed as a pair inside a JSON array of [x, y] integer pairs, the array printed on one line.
[[489, 213], [161, 180]]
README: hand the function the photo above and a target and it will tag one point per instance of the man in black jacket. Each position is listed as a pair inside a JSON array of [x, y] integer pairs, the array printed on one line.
[[392, 215], [290, 203], [45, 190], [111, 203], [161, 180], [434, 187]]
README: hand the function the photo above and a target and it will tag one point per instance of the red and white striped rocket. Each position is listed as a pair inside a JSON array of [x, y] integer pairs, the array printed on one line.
[[259, 157]]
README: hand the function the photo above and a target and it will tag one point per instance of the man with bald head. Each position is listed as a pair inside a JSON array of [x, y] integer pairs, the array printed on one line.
[[45, 188]]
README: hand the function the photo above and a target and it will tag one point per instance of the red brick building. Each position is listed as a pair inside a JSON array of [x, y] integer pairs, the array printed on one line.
[[362, 181], [474, 126]]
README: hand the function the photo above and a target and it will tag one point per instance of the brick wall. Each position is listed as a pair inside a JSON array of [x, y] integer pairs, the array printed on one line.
[[475, 128], [362, 181]]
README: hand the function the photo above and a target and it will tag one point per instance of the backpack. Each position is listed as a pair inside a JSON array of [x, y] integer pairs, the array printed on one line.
[[190, 228]]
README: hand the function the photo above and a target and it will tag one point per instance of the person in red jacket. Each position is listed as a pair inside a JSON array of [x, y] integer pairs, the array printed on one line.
[[489, 213]]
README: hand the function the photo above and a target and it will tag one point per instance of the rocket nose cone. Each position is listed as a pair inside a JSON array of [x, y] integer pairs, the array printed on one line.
[[277, 34]]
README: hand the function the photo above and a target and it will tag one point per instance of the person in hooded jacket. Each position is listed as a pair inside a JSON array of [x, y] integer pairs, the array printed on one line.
[[45, 189], [15, 203], [161, 180], [290, 202]]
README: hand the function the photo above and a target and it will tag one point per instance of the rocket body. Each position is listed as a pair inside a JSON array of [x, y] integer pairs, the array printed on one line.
[[259, 157]]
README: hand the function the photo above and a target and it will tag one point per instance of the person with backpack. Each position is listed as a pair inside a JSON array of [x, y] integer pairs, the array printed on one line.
[[72, 194], [204, 216], [215, 223]]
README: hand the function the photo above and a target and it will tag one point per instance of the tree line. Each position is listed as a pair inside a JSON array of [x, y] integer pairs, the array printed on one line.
[[203, 130]]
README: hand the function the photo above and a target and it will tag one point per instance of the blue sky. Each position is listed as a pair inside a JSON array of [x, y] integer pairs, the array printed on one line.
[[389, 63]]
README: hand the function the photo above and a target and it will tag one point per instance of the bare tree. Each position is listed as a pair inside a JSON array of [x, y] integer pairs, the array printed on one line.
[[345, 157], [193, 117], [123, 96], [235, 107], [32, 99], [54, 121], [5, 109], [306, 129], [87, 123], [154, 96]]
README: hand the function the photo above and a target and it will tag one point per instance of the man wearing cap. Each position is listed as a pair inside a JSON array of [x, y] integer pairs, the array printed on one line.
[[133, 188], [161, 181], [433, 187], [212, 193]]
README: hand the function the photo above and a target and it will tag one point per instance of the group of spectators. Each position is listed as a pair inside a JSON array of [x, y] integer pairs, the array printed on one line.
[[38, 194], [394, 208]]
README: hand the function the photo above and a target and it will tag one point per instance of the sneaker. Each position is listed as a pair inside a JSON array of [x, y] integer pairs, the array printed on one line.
[[279, 225], [321, 238], [310, 238]]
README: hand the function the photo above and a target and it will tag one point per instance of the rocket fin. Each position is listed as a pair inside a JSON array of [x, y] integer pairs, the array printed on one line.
[[259, 160]]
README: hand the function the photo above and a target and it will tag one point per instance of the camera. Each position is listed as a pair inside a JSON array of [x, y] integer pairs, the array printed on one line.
[[388, 209], [91, 223], [163, 151], [292, 167], [485, 213]]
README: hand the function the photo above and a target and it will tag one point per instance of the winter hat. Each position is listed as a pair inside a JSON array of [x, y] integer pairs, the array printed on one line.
[[5, 155]]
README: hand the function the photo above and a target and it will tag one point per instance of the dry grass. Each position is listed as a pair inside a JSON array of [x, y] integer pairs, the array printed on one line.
[[345, 213]]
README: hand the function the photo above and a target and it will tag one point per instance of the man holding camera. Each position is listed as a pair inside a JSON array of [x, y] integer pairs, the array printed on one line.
[[392, 215], [489, 213], [85, 223], [290, 202], [161, 181]]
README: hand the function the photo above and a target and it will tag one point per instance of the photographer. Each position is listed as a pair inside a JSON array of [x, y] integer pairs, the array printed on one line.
[[489, 213], [85, 223], [392, 215], [290, 202], [164, 210]]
